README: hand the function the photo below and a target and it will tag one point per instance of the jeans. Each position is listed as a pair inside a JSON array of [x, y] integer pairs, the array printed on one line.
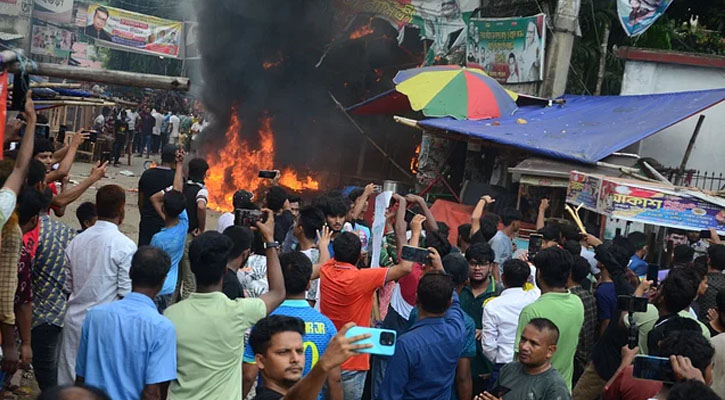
[[353, 384], [146, 143], [155, 143], [45, 341], [187, 282], [118, 145], [396, 322]]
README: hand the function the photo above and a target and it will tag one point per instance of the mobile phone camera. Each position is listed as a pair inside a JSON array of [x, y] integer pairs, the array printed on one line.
[[387, 339]]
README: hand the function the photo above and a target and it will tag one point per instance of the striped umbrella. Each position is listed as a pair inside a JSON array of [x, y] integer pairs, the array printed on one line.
[[450, 90]]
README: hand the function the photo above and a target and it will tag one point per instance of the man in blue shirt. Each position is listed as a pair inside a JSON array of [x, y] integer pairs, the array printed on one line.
[[171, 205], [127, 348], [457, 267], [637, 263], [425, 359], [319, 330]]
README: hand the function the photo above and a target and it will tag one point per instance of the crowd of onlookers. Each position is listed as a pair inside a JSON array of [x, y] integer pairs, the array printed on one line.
[[261, 305]]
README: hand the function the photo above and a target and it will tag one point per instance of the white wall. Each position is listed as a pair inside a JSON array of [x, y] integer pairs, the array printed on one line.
[[668, 146]]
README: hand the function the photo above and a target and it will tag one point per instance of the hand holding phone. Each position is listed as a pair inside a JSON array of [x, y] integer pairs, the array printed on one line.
[[382, 341], [653, 368], [653, 271], [535, 241], [415, 254]]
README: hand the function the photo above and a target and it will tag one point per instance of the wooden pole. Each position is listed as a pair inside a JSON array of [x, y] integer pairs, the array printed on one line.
[[362, 132], [110, 77], [602, 60], [70, 103], [681, 172]]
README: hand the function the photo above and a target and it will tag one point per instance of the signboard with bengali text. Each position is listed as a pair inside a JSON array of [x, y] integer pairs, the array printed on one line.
[[130, 31]]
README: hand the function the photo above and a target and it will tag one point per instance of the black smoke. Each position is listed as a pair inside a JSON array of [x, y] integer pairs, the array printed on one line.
[[238, 37]]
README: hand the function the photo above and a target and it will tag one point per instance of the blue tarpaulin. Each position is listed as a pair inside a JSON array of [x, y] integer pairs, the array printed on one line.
[[587, 128]]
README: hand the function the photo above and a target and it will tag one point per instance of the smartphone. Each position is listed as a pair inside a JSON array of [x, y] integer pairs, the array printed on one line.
[[535, 240], [377, 189], [415, 254], [21, 85], [267, 174], [705, 234], [105, 157], [653, 273], [632, 303], [383, 340], [653, 368], [409, 214], [245, 217], [500, 391]]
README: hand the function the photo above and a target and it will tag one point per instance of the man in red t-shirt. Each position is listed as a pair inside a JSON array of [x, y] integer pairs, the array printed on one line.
[[346, 294]]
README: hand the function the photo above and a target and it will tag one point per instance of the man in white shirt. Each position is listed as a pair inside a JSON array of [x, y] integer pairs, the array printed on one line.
[[132, 119], [175, 121], [156, 131], [242, 200], [501, 314], [97, 265]]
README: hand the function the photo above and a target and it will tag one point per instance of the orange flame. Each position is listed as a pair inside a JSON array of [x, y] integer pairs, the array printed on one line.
[[237, 166], [415, 160], [273, 63], [363, 31]]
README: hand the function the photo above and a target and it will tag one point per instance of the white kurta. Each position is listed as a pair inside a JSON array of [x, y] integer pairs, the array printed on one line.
[[97, 265]]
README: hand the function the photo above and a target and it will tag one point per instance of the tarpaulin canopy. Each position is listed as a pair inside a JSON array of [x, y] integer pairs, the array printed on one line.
[[587, 128]]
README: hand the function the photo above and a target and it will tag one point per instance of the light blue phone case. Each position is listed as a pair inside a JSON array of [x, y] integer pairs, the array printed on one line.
[[374, 339]]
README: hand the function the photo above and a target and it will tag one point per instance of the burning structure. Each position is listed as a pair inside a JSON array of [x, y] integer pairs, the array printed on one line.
[[269, 69]]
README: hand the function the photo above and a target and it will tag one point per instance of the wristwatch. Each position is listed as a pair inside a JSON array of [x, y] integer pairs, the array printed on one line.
[[271, 245]]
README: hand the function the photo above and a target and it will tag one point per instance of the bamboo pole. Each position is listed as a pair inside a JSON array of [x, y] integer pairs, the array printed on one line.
[[71, 103], [110, 77], [52, 85]]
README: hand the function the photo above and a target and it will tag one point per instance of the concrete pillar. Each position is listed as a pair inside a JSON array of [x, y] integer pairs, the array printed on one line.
[[565, 22]]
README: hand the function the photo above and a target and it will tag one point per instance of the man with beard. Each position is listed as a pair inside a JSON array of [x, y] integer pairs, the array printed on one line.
[[481, 287], [533, 376], [335, 208]]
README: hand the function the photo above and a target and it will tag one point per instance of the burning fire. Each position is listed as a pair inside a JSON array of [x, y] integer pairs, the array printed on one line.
[[273, 63], [237, 166], [362, 31], [415, 160]]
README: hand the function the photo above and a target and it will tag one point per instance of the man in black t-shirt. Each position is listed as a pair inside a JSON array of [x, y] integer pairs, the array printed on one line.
[[153, 181], [242, 238], [119, 143]]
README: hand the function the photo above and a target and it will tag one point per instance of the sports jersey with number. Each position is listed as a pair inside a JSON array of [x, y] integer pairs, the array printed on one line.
[[318, 331]]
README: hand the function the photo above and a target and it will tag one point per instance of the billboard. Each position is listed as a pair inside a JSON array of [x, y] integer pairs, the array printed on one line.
[[51, 41], [510, 50], [58, 11], [637, 16], [130, 31], [647, 203]]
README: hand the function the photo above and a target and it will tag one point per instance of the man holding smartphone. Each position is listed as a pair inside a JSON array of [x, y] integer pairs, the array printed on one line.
[[532, 377]]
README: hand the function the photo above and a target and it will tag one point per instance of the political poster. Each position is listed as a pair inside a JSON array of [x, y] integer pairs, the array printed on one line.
[[637, 16], [130, 31], [648, 203], [51, 41], [58, 11], [85, 55], [436, 19], [510, 50]]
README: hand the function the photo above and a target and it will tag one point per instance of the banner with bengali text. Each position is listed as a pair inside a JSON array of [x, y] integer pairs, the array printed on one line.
[[130, 31], [510, 50], [58, 11], [647, 203]]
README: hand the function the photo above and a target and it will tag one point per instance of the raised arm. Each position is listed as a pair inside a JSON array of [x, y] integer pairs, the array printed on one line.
[[431, 225], [274, 297], [323, 245], [541, 217], [399, 226], [67, 161], [478, 213], [70, 195], [25, 153], [357, 208], [416, 227], [338, 351], [179, 172]]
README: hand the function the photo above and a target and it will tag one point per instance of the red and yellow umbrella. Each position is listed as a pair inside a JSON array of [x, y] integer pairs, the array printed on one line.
[[453, 91]]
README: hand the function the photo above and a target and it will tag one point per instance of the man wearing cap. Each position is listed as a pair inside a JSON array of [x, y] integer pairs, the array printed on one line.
[[153, 181]]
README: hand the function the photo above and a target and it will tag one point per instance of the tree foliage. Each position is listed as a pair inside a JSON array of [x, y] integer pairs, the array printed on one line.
[[673, 31]]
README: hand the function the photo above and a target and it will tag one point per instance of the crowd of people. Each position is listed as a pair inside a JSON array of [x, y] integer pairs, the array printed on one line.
[[145, 129], [262, 305]]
